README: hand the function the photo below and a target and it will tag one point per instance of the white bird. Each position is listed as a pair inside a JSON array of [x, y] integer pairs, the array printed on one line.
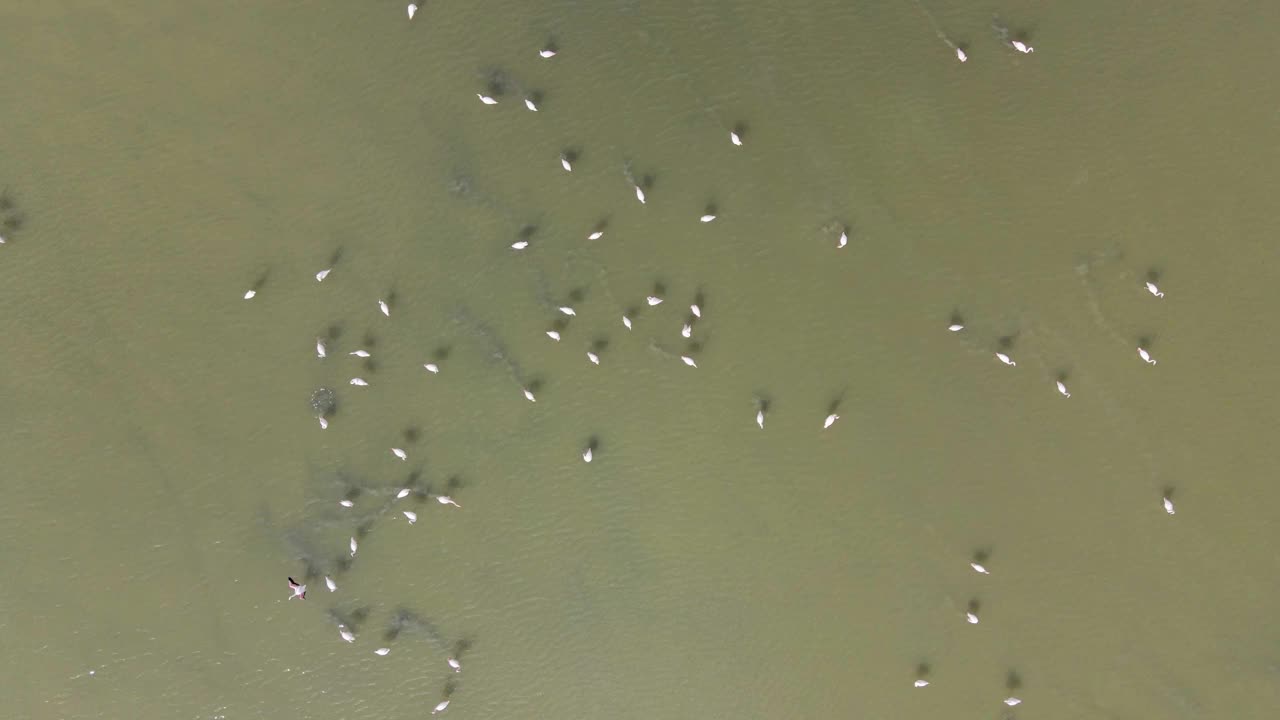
[[831, 420], [1151, 288], [320, 350], [960, 54], [404, 493], [320, 276], [547, 52], [530, 104], [346, 634], [760, 418], [688, 361], [921, 682], [432, 368], [955, 327], [358, 381], [979, 568], [1005, 359], [446, 500], [346, 503], [554, 335], [586, 455], [564, 163], [440, 707], [626, 321], [1146, 356], [1, 239], [359, 353], [324, 422], [413, 10], [411, 516], [1023, 48], [971, 617], [299, 591], [382, 305], [382, 651], [735, 138], [567, 310], [519, 244], [1011, 701], [844, 239], [640, 194], [697, 311], [353, 545], [486, 99], [686, 331], [1168, 504], [528, 395], [708, 217], [1062, 388], [653, 300], [594, 358], [329, 583], [453, 663], [400, 453], [596, 235], [249, 295]]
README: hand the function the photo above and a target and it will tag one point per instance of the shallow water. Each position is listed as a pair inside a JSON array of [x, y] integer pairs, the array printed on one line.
[[164, 472]]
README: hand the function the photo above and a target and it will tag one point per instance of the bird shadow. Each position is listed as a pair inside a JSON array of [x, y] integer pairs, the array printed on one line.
[[333, 332], [336, 256], [957, 318], [1146, 341], [462, 646], [741, 129], [975, 606], [1007, 342], [369, 340], [411, 434], [1153, 275], [577, 295], [599, 345], [835, 403], [441, 353], [1013, 681], [261, 281], [922, 670], [593, 443], [570, 154], [526, 232]]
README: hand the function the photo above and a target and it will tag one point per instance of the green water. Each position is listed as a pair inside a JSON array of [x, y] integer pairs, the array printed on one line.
[[164, 473]]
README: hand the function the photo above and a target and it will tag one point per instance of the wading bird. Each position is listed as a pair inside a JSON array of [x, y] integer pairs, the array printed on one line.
[[843, 240], [921, 682], [547, 52], [404, 493], [972, 617], [626, 321], [595, 235], [760, 418], [686, 331]]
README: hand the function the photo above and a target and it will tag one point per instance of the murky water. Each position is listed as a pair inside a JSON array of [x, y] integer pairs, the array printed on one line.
[[164, 471]]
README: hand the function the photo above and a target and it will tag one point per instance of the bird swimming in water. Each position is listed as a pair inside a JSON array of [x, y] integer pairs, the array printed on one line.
[[404, 493], [346, 503], [329, 583], [688, 361], [1022, 47], [249, 295], [955, 327], [1151, 288], [382, 651], [446, 500], [320, 349], [519, 244], [831, 420], [432, 368], [1062, 388], [411, 516], [359, 353], [564, 163], [760, 418], [626, 321], [735, 138], [595, 235], [382, 305], [359, 382], [547, 52], [1168, 504], [528, 395], [594, 358], [320, 276], [413, 10], [921, 682], [299, 591], [400, 453], [586, 455], [346, 634], [708, 217], [440, 707], [972, 617], [979, 568], [453, 663], [1011, 701], [653, 300], [844, 239], [686, 331], [697, 311], [1146, 356], [567, 310], [961, 56], [554, 335], [640, 194], [530, 104], [1005, 359], [324, 422], [486, 99], [353, 545]]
